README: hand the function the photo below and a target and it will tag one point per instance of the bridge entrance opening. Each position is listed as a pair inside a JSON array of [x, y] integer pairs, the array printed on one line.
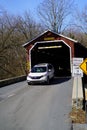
[[58, 53]]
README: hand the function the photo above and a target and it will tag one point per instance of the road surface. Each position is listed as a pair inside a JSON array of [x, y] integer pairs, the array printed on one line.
[[37, 107]]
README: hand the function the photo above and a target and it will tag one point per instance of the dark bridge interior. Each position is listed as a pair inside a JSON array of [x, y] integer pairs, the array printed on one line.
[[56, 53]]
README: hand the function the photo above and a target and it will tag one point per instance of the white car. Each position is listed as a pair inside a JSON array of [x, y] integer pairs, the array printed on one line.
[[41, 73]]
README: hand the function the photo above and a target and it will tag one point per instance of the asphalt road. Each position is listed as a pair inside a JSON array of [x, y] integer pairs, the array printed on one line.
[[36, 107]]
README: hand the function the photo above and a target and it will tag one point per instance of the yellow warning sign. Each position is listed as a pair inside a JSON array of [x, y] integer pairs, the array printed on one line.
[[83, 66]]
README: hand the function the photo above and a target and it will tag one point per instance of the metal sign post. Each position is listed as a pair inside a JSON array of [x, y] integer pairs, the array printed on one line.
[[86, 111], [83, 66], [77, 94]]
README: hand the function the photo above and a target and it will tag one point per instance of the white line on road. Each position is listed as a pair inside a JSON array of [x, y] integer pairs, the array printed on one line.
[[11, 95]]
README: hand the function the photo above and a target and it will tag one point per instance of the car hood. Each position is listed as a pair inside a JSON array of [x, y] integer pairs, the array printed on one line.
[[37, 74]]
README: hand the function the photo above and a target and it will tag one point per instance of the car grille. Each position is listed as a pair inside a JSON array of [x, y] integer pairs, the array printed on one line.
[[37, 77]]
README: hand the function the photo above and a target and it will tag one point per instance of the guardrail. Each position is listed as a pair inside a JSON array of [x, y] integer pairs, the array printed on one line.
[[12, 80], [77, 93], [77, 101]]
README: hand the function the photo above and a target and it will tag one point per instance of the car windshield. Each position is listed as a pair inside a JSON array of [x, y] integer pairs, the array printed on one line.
[[38, 69]]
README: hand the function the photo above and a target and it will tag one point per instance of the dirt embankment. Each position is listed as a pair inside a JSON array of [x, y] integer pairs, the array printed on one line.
[[78, 116]]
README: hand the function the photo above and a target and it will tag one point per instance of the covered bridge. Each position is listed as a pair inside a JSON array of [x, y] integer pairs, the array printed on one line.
[[54, 48]]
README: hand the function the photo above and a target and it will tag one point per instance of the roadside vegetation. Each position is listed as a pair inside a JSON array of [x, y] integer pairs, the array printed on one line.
[[17, 30], [78, 116], [14, 32]]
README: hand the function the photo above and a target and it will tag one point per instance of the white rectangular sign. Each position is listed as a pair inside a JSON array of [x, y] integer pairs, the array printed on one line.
[[77, 72]]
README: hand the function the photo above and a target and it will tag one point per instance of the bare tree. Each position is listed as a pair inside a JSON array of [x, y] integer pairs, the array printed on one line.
[[79, 26], [82, 20], [54, 13], [28, 27], [8, 57], [15, 31]]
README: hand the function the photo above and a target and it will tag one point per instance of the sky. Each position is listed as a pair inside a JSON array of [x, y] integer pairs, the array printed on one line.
[[18, 7]]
